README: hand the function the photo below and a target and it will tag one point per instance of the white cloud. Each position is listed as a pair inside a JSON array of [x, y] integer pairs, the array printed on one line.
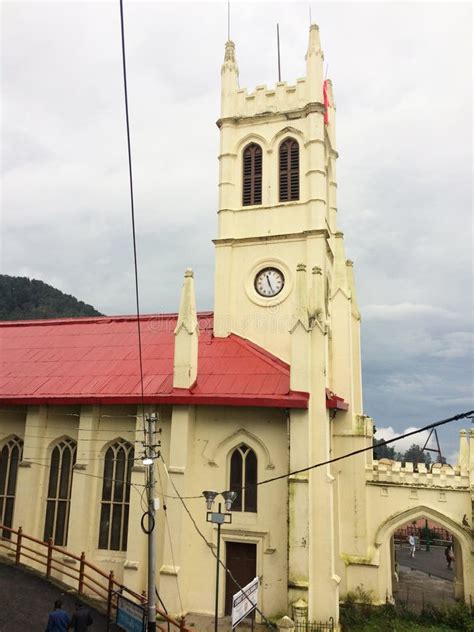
[[402, 445], [404, 183], [405, 310]]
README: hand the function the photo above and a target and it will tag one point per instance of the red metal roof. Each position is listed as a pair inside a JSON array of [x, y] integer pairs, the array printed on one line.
[[96, 360]]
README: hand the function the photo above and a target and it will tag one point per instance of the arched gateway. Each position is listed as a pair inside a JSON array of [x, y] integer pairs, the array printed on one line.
[[462, 542]]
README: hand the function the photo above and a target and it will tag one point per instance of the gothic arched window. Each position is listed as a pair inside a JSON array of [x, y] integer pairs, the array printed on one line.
[[252, 175], [289, 170], [113, 530], [10, 456], [243, 478], [58, 501]]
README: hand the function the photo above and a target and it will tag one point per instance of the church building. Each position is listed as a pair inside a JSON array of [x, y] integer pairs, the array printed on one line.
[[260, 389]]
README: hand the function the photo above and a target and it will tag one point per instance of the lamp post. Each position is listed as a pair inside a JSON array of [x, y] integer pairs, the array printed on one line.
[[218, 518]]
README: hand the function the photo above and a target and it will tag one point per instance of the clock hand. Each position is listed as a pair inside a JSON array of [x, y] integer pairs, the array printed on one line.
[[268, 281]]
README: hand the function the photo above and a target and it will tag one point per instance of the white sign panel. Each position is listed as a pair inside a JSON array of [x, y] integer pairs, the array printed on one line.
[[244, 602]]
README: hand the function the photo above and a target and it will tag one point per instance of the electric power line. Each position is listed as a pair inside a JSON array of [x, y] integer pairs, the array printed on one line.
[[82, 473], [78, 428], [169, 537], [436, 424], [105, 441], [268, 623], [132, 212], [51, 413]]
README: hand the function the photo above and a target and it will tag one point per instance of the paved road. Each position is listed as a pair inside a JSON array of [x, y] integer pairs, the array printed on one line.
[[432, 562], [26, 599]]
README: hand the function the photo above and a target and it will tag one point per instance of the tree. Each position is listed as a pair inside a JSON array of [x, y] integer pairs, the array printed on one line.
[[25, 299], [383, 451], [415, 454]]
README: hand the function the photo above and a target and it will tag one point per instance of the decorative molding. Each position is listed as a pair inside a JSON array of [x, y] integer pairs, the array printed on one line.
[[249, 282], [168, 569], [131, 565], [176, 469], [298, 583], [298, 478], [292, 114], [230, 241], [240, 436]]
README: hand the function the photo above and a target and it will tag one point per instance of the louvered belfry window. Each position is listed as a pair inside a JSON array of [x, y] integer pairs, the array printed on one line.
[[289, 170], [63, 458], [10, 456], [252, 175], [113, 531]]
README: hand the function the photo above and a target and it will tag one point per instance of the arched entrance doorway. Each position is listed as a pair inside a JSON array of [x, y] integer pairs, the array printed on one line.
[[431, 580], [427, 565]]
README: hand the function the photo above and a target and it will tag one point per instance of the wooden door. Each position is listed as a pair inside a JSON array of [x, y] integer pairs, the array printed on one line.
[[241, 560]]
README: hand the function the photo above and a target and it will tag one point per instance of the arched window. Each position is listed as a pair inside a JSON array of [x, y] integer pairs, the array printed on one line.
[[58, 501], [118, 465], [252, 175], [243, 478], [10, 456], [289, 170]]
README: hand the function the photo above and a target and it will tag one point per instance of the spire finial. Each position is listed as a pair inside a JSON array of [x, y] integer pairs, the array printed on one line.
[[185, 361], [229, 55], [187, 316], [229, 79], [314, 42], [314, 66]]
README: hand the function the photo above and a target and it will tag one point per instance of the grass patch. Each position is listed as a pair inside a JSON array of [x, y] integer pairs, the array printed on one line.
[[359, 615]]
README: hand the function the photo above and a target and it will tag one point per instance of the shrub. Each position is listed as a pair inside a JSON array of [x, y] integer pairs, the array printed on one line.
[[456, 616]]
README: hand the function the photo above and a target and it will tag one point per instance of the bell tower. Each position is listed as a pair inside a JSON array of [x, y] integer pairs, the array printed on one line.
[[277, 199]]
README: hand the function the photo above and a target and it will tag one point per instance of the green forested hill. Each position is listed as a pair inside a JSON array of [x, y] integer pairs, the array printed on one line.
[[24, 299]]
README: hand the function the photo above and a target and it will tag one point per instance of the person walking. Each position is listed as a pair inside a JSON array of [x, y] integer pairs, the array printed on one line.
[[58, 619], [411, 542], [81, 619], [449, 554]]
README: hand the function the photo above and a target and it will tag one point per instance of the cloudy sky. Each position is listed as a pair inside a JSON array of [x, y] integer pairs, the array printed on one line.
[[402, 80]]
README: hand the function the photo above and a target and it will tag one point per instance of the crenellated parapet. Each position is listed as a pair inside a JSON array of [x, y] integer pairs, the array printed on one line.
[[417, 475], [306, 95], [279, 99]]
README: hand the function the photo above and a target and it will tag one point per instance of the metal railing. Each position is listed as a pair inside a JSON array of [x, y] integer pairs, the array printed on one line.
[[434, 533], [86, 576], [301, 625]]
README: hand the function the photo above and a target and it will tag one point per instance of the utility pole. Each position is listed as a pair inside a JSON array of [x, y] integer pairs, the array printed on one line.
[[149, 462]]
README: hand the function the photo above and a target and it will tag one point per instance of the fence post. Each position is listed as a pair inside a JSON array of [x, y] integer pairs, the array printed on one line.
[[81, 572], [49, 559], [19, 536], [109, 596], [285, 624]]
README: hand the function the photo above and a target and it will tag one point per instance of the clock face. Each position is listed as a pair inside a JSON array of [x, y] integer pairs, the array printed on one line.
[[269, 282]]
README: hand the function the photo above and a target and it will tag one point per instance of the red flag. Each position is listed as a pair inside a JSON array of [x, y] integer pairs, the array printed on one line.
[[326, 101]]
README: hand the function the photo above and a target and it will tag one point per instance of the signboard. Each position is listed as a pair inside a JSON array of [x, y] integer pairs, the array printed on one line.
[[244, 602], [130, 616]]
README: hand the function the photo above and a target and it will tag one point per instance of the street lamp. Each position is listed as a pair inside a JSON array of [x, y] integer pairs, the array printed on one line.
[[218, 518]]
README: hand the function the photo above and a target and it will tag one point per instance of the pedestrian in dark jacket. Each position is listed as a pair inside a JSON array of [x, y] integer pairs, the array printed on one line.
[[81, 619], [449, 554], [58, 620]]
